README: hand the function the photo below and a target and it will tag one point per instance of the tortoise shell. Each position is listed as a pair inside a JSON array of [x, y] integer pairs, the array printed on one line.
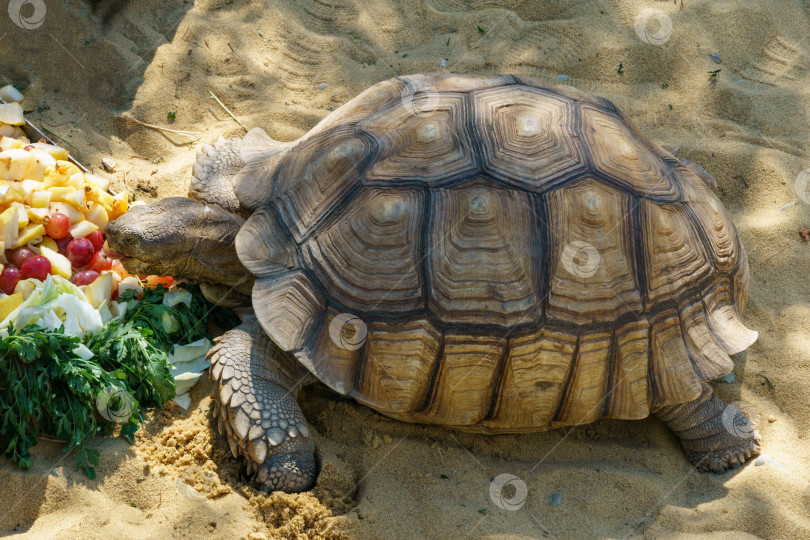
[[493, 254]]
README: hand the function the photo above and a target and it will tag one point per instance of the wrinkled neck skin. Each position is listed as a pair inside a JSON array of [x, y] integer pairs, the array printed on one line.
[[183, 238]]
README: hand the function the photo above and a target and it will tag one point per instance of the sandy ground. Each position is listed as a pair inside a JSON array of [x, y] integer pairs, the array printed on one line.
[[283, 65]]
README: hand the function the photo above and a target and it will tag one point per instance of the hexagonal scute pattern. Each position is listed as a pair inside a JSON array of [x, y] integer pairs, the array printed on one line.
[[621, 156], [527, 136], [425, 138], [368, 258]]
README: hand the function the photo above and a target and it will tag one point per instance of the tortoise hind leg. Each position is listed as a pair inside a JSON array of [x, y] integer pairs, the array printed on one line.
[[715, 436], [255, 384]]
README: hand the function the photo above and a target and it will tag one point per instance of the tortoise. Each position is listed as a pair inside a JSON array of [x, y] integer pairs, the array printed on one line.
[[492, 254]]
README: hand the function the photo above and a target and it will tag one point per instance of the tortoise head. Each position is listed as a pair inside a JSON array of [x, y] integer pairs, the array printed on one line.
[[183, 238]]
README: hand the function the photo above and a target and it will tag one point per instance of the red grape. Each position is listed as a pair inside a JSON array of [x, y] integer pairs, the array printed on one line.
[[79, 251], [85, 277], [62, 244], [57, 226], [101, 261], [18, 257], [37, 267], [97, 239], [9, 279]]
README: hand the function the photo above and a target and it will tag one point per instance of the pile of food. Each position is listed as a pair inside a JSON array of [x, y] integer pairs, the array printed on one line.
[[79, 336]]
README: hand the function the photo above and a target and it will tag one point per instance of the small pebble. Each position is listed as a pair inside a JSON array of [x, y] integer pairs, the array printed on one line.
[[323, 86], [715, 58], [54, 472], [555, 499], [562, 77], [728, 378], [788, 206], [109, 164], [763, 460], [772, 418]]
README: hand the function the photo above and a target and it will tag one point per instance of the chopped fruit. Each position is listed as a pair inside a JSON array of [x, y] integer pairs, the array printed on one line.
[[36, 267], [100, 290], [8, 279], [80, 251], [29, 234], [12, 114], [9, 304], [60, 265], [18, 257], [76, 198], [119, 269], [82, 229], [41, 161], [37, 215], [97, 239], [49, 243], [119, 206], [22, 215], [58, 226], [128, 283], [40, 199], [10, 94], [70, 211], [13, 163], [25, 288], [60, 192], [85, 277], [97, 216], [154, 281], [96, 195], [102, 183], [9, 227]]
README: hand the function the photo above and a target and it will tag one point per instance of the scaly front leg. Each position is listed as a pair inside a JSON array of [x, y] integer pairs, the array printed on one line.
[[255, 384]]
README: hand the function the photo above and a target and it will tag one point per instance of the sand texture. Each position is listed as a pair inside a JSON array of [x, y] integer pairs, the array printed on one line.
[[283, 65]]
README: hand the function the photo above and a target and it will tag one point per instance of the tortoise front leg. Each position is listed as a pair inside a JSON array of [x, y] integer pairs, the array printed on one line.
[[715, 436], [255, 384]]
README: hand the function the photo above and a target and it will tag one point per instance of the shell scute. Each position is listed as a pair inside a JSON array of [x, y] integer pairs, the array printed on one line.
[[528, 137]]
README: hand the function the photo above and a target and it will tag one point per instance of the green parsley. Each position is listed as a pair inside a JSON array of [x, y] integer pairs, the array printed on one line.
[[47, 387]]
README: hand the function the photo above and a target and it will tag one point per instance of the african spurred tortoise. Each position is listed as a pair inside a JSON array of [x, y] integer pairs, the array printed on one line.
[[487, 253]]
